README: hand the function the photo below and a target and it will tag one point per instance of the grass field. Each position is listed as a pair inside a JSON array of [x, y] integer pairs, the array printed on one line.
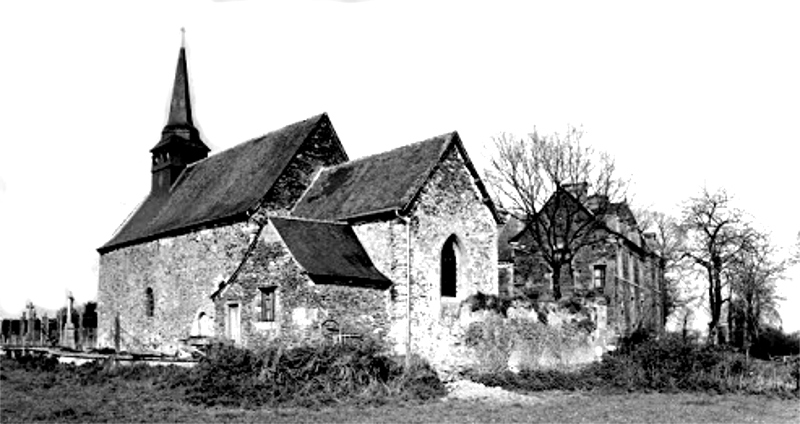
[[28, 396]]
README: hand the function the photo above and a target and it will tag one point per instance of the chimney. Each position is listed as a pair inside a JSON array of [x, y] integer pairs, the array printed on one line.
[[579, 190], [650, 239]]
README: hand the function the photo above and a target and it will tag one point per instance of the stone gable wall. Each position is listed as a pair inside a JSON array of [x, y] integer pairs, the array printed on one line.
[[301, 305], [449, 204]]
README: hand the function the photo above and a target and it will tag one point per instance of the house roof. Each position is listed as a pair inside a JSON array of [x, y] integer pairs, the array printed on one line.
[[222, 187], [386, 182], [512, 227], [329, 252], [619, 209]]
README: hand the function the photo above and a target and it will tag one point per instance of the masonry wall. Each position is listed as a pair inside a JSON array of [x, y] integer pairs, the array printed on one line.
[[386, 244], [449, 204], [301, 305], [182, 271]]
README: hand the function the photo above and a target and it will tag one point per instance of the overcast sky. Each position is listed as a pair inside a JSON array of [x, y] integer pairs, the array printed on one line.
[[682, 94]]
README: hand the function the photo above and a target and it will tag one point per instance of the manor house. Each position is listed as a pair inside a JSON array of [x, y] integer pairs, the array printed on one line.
[[616, 267]]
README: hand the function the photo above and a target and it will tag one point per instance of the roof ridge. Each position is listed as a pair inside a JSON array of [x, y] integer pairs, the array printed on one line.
[[387, 152], [300, 218], [316, 117], [262, 136]]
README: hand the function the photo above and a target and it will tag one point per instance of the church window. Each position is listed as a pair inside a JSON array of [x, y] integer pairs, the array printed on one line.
[[149, 302], [449, 268], [267, 303]]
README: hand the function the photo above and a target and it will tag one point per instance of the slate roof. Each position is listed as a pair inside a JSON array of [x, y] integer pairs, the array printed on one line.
[[222, 187], [386, 182], [329, 252]]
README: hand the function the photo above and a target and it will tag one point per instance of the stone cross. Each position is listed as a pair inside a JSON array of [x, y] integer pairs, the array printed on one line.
[[69, 306]]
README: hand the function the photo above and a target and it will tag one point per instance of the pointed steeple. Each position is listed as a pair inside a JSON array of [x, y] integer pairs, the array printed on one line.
[[180, 108], [180, 143]]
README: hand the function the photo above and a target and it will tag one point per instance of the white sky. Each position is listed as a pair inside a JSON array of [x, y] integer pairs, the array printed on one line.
[[682, 94]]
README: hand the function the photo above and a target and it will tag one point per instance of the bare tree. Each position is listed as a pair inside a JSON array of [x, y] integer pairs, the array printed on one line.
[[670, 242], [753, 276], [716, 234], [543, 179]]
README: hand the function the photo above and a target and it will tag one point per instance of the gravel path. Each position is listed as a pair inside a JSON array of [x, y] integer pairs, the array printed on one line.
[[469, 390]]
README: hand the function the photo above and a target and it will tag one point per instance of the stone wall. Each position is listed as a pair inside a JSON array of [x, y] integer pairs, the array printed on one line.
[[386, 243], [449, 204], [182, 272], [301, 305]]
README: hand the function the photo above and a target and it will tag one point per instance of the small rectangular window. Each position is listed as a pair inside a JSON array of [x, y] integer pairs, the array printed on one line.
[[267, 304], [599, 276]]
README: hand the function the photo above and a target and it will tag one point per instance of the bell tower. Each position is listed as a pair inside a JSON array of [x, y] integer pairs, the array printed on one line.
[[180, 143]]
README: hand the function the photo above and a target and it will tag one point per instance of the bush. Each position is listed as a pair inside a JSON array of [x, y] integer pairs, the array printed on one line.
[[773, 342], [667, 364], [308, 375]]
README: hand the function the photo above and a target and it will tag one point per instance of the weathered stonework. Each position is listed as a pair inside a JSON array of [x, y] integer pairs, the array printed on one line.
[[301, 305], [182, 272], [449, 204]]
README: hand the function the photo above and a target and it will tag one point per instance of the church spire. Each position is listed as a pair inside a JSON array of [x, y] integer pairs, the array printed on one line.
[[180, 143], [180, 108]]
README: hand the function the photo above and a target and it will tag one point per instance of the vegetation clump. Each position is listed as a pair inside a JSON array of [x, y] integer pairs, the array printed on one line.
[[353, 372], [667, 364], [309, 375]]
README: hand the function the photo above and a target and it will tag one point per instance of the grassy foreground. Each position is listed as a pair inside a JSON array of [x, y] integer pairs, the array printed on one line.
[[30, 395]]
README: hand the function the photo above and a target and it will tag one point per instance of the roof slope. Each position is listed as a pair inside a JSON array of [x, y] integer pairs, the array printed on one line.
[[513, 227], [330, 252], [380, 183], [221, 187]]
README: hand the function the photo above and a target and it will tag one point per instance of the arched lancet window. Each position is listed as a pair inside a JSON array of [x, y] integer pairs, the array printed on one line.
[[149, 302], [449, 268]]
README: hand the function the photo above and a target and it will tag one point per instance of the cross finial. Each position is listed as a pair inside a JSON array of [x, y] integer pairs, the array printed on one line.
[[183, 37]]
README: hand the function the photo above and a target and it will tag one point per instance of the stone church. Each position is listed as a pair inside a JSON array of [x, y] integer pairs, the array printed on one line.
[[283, 238]]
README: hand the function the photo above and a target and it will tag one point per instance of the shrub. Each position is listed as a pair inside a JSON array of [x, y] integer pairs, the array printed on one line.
[[308, 375], [489, 302], [666, 364], [773, 342]]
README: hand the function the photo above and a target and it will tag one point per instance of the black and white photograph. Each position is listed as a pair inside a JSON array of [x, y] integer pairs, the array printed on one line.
[[317, 211]]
